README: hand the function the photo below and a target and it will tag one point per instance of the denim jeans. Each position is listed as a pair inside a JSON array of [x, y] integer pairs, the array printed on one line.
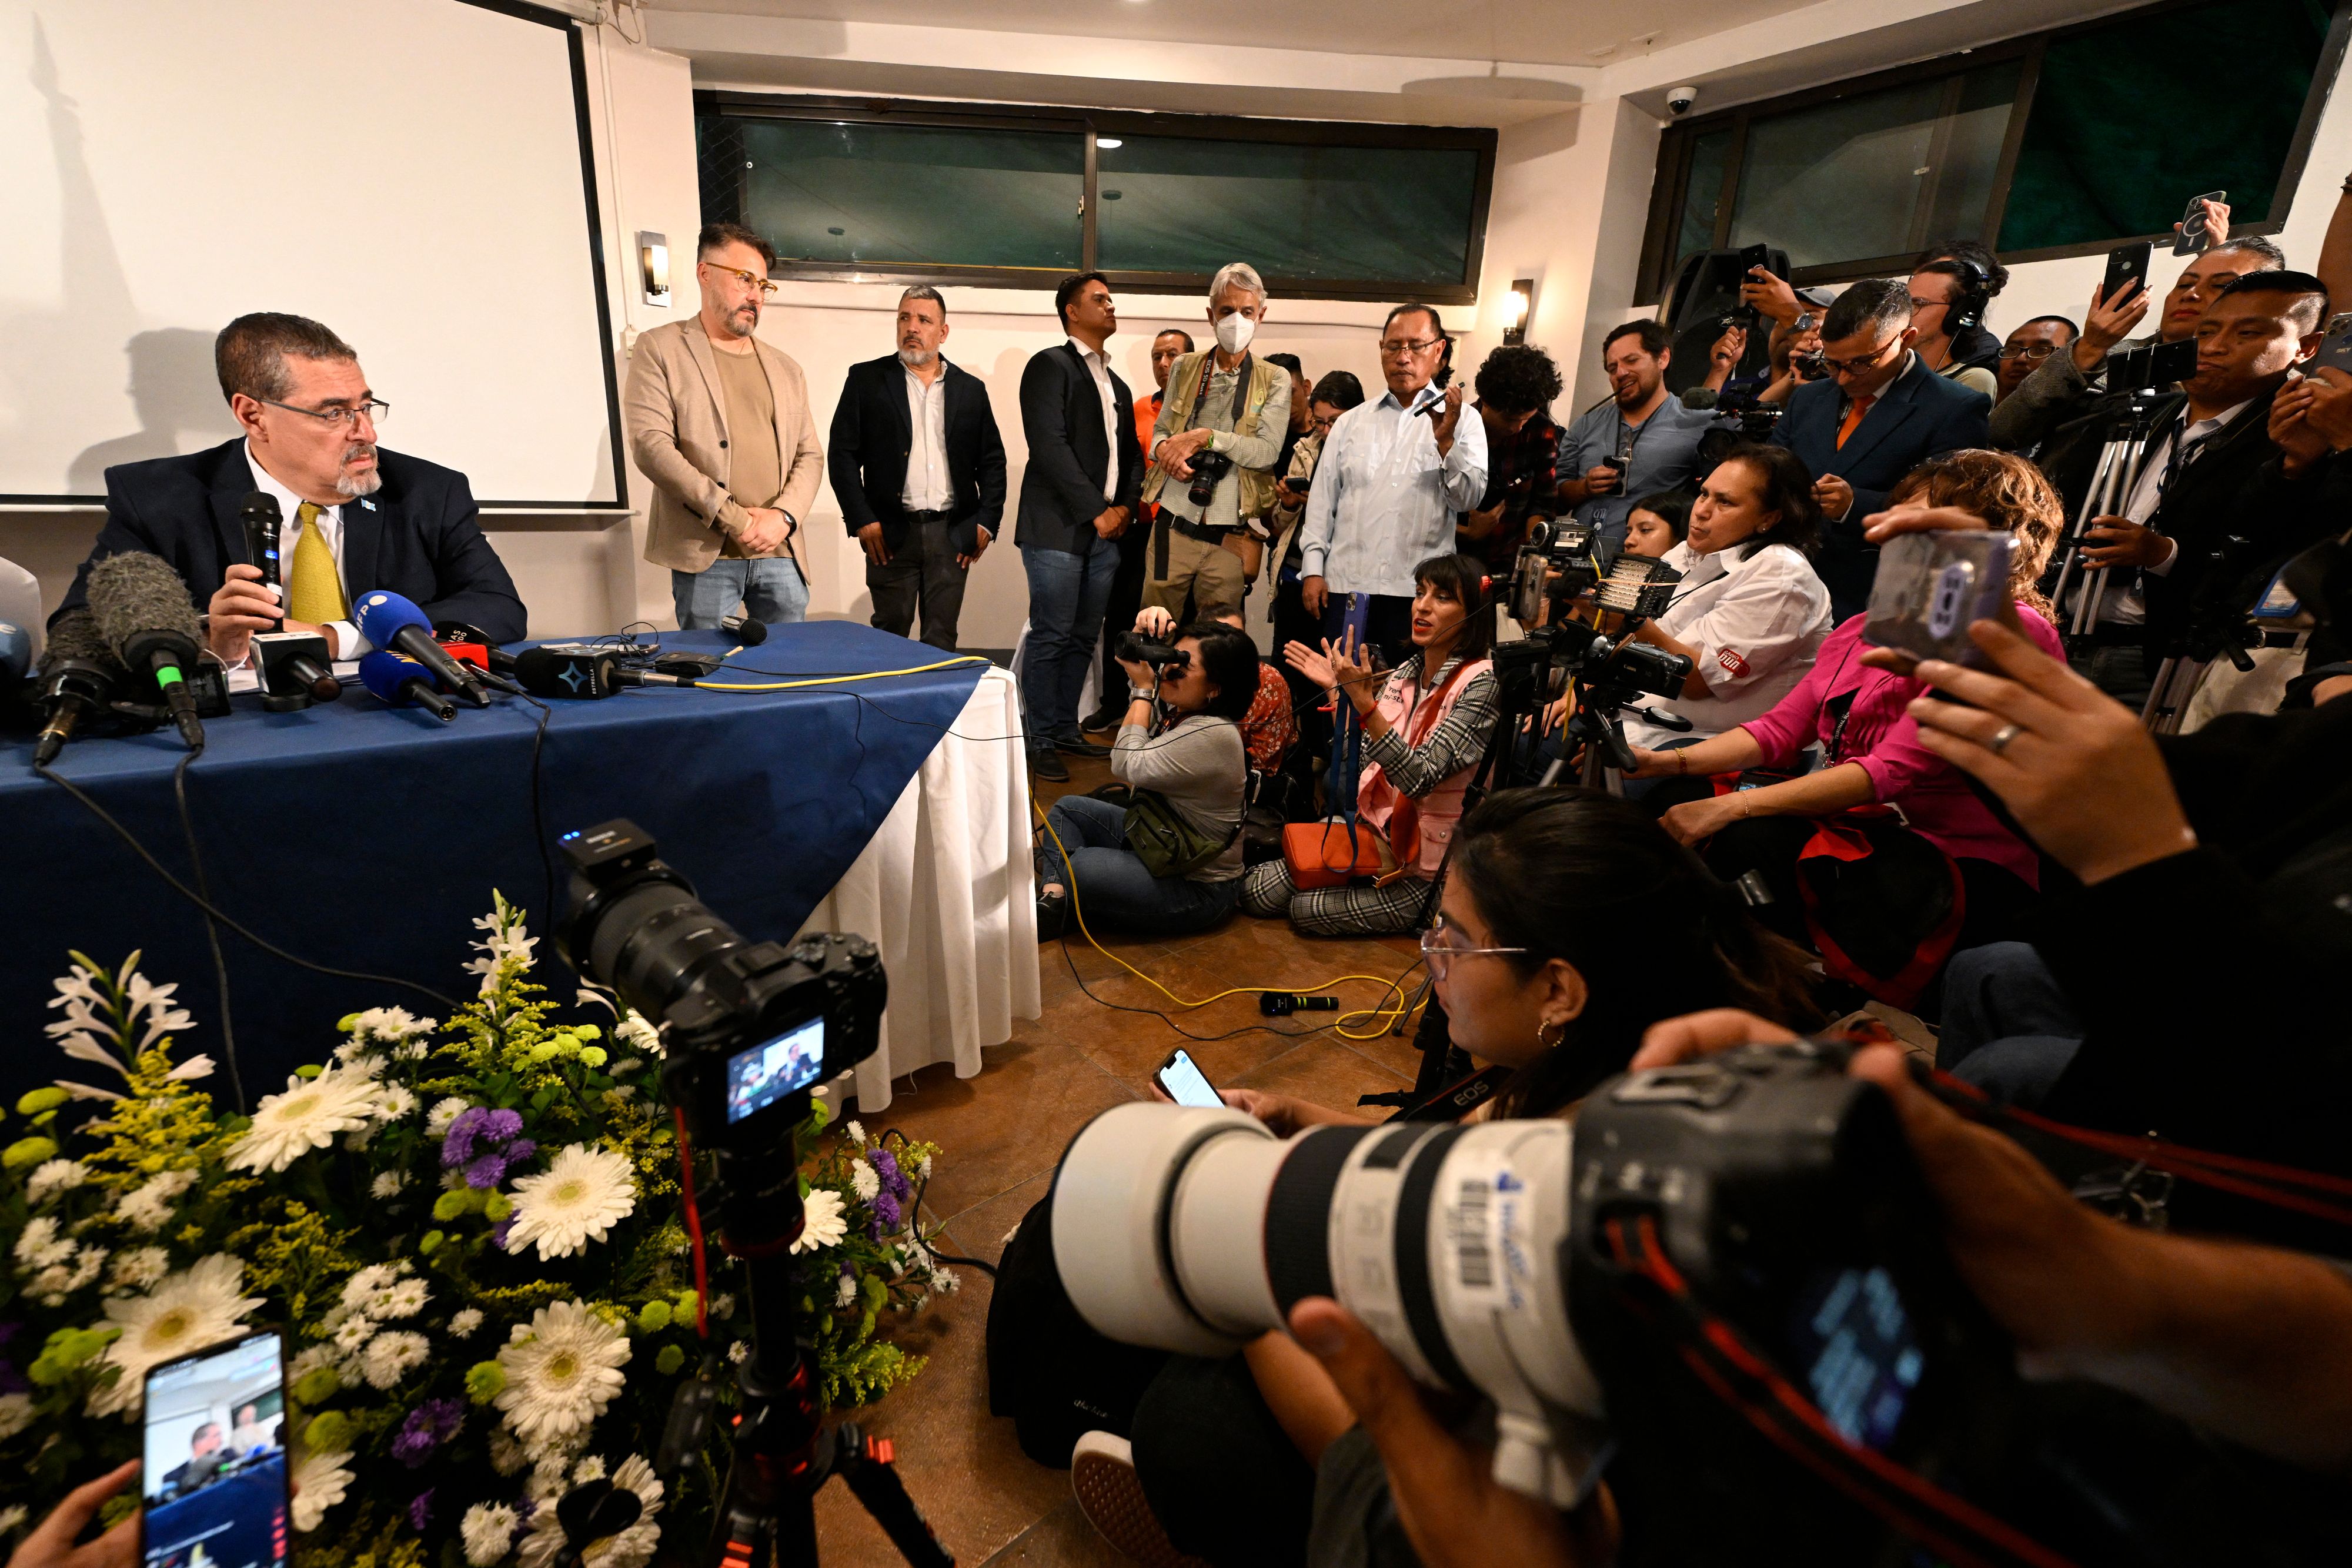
[[2008, 1028], [769, 590], [1067, 595], [1112, 889]]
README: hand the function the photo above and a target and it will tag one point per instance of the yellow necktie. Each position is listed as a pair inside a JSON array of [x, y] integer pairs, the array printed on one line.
[[315, 591]]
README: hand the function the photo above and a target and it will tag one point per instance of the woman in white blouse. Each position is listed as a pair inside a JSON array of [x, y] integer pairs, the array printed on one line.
[[1749, 612]]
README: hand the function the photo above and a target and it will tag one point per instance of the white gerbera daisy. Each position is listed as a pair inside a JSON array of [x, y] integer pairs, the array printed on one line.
[[148, 1205], [15, 1413], [563, 1374], [39, 1244], [630, 1548], [576, 1201], [444, 1111], [487, 1530], [136, 1267], [398, 1104], [824, 1221], [463, 1323], [51, 1177], [306, 1117], [187, 1311], [393, 1355], [320, 1482], [387, 1183], [862, 1177]]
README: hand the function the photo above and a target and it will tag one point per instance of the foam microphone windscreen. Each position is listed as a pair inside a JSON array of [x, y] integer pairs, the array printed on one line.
[[382, 614], [143, 609], [75, 635]]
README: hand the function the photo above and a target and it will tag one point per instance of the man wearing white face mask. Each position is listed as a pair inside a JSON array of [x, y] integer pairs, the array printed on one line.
[[1221, 428]]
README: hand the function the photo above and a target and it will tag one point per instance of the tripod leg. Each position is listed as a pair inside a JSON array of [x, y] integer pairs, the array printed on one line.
[[868, 1466]]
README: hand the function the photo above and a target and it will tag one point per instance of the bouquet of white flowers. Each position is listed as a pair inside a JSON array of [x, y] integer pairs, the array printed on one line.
[[471, 1236]]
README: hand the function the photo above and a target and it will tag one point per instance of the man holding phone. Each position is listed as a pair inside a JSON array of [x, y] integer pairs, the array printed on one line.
[[1637, 443]]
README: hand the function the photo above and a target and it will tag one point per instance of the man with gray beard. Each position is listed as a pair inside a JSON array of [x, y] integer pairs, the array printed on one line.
[[353, 516], [919, 468]]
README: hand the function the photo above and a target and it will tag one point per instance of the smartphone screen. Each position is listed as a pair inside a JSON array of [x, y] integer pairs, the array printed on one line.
[[213, 1476], [1183, 1082], [2126, 263], [2192, 239]]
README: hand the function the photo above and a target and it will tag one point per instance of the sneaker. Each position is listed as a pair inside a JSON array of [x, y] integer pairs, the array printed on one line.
[[1104, 720], [1053, 915], [1082, 746], [1102, 1475], [1045, 763]]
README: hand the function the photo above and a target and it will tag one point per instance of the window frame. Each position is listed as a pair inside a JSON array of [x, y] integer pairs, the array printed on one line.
[[1679, 141], [1091, 124]]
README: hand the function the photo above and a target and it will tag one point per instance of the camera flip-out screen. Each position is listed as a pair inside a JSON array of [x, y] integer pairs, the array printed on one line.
[[759, 1077]]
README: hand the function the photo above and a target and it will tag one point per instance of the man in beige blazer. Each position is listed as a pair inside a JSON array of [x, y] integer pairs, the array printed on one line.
[[720, 421]]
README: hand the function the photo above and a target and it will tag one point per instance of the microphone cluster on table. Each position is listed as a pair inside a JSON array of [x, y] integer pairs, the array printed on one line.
[[134, 656]]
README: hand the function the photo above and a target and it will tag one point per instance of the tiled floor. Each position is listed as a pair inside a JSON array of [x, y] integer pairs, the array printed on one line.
[[1000, 1134]]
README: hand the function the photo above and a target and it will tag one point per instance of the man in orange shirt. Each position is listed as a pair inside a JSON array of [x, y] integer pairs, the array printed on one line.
[[1127, 587]]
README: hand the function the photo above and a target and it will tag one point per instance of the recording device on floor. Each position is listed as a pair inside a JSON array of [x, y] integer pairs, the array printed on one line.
[[1759, 1207], [586, 670], [1930, 586], [388, 621], [143, 612], [2127, 266], [399, 681], [1180, 1079], [1282, 1004], [2192, 239], [748, 1031], [296, 670], [214, 1483]]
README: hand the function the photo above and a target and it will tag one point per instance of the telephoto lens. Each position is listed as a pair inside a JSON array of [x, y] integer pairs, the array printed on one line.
[[1196, 1230]]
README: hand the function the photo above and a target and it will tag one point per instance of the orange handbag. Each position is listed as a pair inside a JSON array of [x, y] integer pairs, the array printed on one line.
[[1332, 854]]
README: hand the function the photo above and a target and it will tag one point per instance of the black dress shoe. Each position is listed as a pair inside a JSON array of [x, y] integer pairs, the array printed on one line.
[[1082, 747], [1044, 764], [1053, 915]]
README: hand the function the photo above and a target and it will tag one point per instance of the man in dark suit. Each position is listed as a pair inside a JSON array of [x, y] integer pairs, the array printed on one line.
[[1078, 495], [919, 468], [355, 517], [1881, 414]]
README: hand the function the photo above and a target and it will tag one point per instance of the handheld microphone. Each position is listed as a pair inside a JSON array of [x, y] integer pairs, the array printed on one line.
[[262, 520], [495, 659], [388, 621], [143, 612], [583, 670], [296, 663], [78, 675], [746, 629], [1282, 1004], [397, 681]]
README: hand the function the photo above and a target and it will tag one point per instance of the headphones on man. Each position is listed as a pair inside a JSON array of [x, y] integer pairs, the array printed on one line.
[[1974, 298]]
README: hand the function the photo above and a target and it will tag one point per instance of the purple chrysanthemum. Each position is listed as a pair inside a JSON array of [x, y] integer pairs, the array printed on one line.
[[426, 1427], [885, 1166], [487, 1172], [886, 1214], [420, 1510]]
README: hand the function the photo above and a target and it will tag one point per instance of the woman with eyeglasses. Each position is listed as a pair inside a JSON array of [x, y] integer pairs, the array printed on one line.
[[1568, 925]]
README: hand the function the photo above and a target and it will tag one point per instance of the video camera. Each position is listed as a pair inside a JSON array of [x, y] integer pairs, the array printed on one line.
[[748, 1027], [1717, 1263], [1161, 657]]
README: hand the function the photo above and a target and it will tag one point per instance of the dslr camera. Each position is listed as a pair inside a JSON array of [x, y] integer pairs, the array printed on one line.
[[748, 1027], [1208, 468], [1592, 1279]]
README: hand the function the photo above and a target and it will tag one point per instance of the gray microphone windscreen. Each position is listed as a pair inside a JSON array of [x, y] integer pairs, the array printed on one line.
[[139, 599], [1700, 397], [75, 636]]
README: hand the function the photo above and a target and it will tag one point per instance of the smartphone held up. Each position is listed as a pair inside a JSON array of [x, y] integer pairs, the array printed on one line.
[[1930, 586], [213, 1475]]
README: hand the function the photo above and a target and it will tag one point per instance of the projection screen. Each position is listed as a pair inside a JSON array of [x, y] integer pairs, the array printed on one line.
[[415, 173]]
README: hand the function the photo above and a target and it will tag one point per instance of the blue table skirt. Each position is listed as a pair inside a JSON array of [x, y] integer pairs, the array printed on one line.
[[368, 838]]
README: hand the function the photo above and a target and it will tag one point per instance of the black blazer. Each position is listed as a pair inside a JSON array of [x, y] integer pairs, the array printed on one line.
[[873, 438], [1062, 488], [419, 536], [1917, 416]]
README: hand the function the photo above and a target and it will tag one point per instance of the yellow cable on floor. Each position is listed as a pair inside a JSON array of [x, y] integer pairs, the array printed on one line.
[[1078, 908], [837, 680]]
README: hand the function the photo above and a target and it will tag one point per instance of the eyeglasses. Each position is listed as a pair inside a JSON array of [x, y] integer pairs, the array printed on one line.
[[373, 410], [2033, 352], [766, 286], [1322, 422], [1438, 951], [1918, 304], [1409, 345], [1867, 362]]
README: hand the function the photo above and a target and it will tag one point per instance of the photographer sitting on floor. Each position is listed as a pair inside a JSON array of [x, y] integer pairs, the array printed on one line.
[[1873, 767], [1171, 861], [1425, 727], [1269, 727]]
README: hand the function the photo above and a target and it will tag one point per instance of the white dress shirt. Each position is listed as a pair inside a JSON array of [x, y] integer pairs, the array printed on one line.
[[1384, 500], [2129, 607], [1099, 368], [349, 643], [928, 489], [1755, 623]]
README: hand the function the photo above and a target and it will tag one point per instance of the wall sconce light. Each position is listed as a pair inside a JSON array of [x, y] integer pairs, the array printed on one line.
[[1519, 309], [653, 266]]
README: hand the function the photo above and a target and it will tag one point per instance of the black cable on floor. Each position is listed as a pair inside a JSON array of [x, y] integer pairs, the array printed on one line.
[[448, 1003], [211, 931], [916, 1218]]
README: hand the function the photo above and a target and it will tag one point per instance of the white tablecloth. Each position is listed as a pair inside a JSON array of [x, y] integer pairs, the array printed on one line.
[[946, 888]]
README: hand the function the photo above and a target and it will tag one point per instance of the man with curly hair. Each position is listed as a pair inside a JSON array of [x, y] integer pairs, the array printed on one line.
[[1515, 386]]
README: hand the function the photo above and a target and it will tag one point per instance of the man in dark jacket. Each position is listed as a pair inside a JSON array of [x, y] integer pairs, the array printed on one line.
[[354, 517], [1078, 495], [1881, 414], [918, 469]]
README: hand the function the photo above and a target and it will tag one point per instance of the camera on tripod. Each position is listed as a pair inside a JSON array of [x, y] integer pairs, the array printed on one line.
[[1208, 468], [748, 1027], [1161, 656]]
